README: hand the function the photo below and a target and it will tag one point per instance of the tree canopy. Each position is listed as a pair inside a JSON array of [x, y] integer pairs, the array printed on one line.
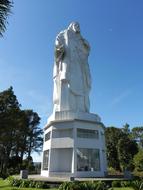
[[5, 10], [120, 148], [19, 131]]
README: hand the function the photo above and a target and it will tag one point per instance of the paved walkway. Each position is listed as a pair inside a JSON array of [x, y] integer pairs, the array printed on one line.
[[61, 179]]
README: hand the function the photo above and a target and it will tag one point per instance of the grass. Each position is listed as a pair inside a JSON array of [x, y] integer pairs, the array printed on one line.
[[4, 185], [122, 188]]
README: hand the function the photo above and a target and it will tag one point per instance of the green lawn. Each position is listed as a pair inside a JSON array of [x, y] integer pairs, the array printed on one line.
[[5, 186], [123, 188]]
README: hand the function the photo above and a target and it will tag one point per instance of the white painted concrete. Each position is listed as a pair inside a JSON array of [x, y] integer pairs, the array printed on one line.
[[72, 84], [63, 156]]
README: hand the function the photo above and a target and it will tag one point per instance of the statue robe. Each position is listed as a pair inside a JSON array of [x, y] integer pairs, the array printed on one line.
[[72, 80]]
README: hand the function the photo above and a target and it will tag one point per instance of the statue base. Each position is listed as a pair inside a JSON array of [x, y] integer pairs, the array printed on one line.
[[74, 146]]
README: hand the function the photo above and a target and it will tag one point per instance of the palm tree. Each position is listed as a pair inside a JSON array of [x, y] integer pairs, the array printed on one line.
[[5, 9]]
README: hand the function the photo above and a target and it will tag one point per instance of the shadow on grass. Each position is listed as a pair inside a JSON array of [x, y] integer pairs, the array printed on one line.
[[4, 186]]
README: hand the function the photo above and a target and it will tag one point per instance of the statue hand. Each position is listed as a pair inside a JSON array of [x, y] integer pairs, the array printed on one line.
[[63, 77]]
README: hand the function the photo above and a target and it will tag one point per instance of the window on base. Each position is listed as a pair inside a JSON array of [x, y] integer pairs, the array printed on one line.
[[88, 159]]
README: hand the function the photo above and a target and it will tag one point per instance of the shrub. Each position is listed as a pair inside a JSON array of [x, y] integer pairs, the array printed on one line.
[[16, 182], [32, 184], [12, 171], [116, 183], [24, 183], [100, 185], [71, 186], [83, 186], [88, 185], [112, 171], [137, 185], [4, 175], [13, 181], [126, 183], [10, 179], [42, 185], [21, 183], [138, 174]]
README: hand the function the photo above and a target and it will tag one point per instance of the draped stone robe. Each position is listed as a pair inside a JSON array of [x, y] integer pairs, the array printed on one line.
[[72, 80]]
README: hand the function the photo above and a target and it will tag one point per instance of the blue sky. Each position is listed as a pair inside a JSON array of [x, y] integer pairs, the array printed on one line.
[[114, 30]]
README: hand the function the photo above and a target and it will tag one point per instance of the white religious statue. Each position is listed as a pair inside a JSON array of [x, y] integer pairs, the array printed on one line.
[[72, 79]]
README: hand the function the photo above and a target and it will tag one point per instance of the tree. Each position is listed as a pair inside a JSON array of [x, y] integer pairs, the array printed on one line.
[[120, 148], [34, 139], [126, 129], [19, 131], [5, 10], [127, 148], [20, 135], [138, 161], [9, 109], [112, 135], [137, 134]]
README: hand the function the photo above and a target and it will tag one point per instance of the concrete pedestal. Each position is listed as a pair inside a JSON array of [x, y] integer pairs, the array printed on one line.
[[74, 146]]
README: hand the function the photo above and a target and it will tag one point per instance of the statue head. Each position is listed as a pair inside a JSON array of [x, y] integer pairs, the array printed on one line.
[[75, 27]]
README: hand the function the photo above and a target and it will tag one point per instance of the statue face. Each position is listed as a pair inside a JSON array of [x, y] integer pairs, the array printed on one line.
[[76, 27]]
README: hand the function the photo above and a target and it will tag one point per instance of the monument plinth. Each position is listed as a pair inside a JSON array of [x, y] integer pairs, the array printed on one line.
[[74, 142]]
